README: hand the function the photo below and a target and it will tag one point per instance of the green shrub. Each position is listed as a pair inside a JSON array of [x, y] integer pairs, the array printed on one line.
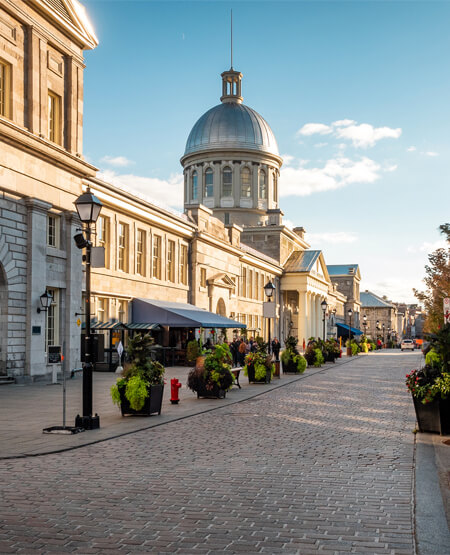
[[193, 351], [300, 362], [318, 358]]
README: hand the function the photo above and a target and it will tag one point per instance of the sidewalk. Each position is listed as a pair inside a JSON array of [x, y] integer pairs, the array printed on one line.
[[25, 410]]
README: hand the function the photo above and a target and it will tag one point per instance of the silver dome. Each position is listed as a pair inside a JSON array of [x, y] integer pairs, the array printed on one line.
[[231, 125]]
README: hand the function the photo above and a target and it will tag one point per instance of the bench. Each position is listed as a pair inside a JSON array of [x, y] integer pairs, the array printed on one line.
[[236, 372]]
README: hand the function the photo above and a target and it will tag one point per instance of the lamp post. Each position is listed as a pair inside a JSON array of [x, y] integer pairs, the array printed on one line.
[[324, 306], [365, 324], [383, 336], [46, 300], [378, 329], [269, 288], [88, 207], [350, 314]]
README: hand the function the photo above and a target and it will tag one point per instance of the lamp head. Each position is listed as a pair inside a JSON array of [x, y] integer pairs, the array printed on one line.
[[269, 288], [46, 300], [88, 207], [324, 305]]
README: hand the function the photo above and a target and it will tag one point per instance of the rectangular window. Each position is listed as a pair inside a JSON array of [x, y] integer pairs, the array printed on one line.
[[53, 231], [102, 228], [140, 252], [52, 328], [54, 117], [122, 244], [275, 187], [203, 277], [171, 261], [5, 89], [244, 282], [122, 312], [102, 309], [227, 218], [246, 186], [156, 257], [183, 264]]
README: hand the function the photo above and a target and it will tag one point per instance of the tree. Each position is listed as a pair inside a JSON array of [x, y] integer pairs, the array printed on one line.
[[437, 281]]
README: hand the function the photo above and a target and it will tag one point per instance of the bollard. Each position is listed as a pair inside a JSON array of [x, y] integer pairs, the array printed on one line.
[[174, 387]]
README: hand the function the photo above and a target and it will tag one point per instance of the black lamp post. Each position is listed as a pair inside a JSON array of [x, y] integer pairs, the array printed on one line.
[[350, 314], [269, 288], [46, 300], [365, 324], [324, 306], [377, 328], [383, 335], [88, 207]]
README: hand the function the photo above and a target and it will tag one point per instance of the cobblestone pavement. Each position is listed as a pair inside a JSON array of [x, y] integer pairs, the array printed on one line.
[[323, 465]]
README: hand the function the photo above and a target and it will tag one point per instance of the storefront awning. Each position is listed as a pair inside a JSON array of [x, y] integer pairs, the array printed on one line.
[[178, 315], [117, 326], [345, 327]]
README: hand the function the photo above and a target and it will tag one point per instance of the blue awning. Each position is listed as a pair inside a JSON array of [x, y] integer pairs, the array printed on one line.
[[178, 315], [355, 331]]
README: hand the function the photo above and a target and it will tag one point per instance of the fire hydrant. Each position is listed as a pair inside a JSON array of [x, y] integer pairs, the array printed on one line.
[[174, 387]]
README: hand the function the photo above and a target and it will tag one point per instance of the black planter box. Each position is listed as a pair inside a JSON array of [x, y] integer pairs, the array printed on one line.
[[215, 392], [290, 367], [251, 375], [152, 403], [433, 417]]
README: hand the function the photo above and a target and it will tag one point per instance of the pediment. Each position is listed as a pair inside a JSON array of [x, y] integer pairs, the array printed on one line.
[[221, 280]]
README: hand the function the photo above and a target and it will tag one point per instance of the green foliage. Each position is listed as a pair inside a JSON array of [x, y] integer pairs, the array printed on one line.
[[355, 348], [285, 356], [441, 385], [300, 362], [433, 359], [215, 371], [291, 344], [319, 360], [260, 362], [261, 344], [193, 351], [136, 392]]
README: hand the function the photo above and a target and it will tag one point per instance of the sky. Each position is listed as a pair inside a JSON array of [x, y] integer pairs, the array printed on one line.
[[357, 95]]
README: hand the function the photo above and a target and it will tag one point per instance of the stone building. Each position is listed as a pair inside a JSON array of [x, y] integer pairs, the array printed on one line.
[[380, 310], [218, 255]]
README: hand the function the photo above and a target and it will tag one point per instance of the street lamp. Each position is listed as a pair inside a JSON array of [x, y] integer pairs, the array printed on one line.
[[88, 207], [46, 300], [269, 288], [365, 324], [350, 314], [383, 335], [324, 306]]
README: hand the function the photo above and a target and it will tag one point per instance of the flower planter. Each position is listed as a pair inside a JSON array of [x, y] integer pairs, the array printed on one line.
[[251, 375], [214, 392], [152, 403], [433, 417], [290, 367]]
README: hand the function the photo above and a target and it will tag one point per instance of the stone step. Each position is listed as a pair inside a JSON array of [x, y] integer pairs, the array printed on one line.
[[5, 380]]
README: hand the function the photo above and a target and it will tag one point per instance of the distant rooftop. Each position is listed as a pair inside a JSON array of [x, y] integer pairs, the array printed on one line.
[[342, 269], [369, 299]]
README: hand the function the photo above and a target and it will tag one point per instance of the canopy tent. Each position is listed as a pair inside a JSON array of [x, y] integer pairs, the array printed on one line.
[[178, 315], [345, 327]]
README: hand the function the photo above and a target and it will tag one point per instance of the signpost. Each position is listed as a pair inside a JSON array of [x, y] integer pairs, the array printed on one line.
[[447, 310]]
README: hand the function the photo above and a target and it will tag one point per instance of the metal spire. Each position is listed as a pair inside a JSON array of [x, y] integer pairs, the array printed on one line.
[[231, 39]]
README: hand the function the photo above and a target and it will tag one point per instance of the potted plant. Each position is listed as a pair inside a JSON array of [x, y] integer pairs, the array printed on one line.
[[259, 367], [212, 375], [313, 354], [291, 359], [140, 390], [430, 385], [193, 351]]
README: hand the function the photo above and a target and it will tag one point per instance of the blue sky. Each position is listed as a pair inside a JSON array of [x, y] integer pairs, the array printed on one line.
[[357, 94]]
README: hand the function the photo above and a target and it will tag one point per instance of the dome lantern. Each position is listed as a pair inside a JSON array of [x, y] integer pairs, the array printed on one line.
[[232, 86]]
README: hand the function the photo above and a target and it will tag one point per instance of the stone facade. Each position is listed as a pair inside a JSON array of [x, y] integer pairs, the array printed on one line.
[[381, 310]]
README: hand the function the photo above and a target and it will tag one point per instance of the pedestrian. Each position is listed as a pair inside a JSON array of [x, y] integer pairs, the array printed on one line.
[[242, 351], [276, 346]]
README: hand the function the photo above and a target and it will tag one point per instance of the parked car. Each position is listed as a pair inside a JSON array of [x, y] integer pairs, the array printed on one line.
[[407, 344]]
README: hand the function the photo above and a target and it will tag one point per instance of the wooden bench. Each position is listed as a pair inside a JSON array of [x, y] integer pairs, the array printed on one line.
[[236, 372]]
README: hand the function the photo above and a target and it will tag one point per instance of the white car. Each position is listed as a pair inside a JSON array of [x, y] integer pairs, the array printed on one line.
[[407, 344]]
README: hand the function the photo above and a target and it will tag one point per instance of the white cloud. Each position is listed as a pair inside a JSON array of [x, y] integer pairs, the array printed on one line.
[[287, 159], [336, 173], [117, 161], [343, 122], [320, 145], [395, 289], [365, 135], [315, 129], [411, 149], [430, 153], [428, 247], [165, 193], [390, 168], [332, 238], [361, 135]]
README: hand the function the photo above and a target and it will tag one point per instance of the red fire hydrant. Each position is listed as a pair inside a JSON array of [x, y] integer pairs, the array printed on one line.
[[174, 387]]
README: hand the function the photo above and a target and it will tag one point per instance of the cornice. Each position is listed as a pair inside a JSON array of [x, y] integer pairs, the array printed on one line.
[[230, 153], [48, 151]]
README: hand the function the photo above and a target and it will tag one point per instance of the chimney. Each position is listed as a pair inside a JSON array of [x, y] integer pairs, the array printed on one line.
[[300, 231]]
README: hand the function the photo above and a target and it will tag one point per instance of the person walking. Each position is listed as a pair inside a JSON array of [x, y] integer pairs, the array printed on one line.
[[276, 346], [242, 352]]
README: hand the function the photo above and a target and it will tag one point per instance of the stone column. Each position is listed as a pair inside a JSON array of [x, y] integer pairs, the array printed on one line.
[[71, 332], [35, 362], [302, 318]]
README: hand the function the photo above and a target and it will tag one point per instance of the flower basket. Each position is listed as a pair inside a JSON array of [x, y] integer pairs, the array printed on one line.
[[211, 376], [214, 393], [433, 417], [152, 403]]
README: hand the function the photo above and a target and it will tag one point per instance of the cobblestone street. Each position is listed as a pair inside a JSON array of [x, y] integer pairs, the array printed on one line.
[[325, 464]]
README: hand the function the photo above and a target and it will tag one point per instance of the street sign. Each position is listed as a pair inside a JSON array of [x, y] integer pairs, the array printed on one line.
[[447, 310], [54, 354], [120, 349]]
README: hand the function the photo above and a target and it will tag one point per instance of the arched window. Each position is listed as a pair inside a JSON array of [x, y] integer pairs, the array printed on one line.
[[262, 185], [246, 186], [194, 180], [275, 186], [227, 182], [209, 183]]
